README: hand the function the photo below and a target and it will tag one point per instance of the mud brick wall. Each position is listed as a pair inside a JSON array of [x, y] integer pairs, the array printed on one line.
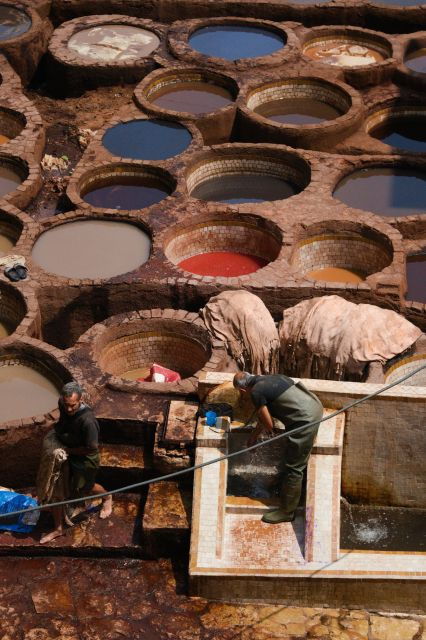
[[344, 251]]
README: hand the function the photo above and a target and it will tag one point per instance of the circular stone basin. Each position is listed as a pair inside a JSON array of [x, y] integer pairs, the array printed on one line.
[[233, 42], [191, 97], [92, 249], [416, 278], [126, 190], [416, 60], [131, 356], [402, 131], [386, 191], [12, 309], [10, 230], [239, 248], [344, 52], [147, 139], [340, 257], [298, 111], [25, 390], [113, 43], [11, 124], [240, 188], [405, 366], [13, 22], [9, 178], [6, 244]]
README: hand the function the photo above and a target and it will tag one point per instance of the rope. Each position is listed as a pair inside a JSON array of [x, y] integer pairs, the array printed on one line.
[[175, 474]]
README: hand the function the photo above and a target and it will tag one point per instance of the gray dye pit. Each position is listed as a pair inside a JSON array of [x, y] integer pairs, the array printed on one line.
[[192, 97], [236, 189], [13, 22], [92, 249], [386, 191], [147, 139], [113, 43], [372, 528], [416, 60], [298, 111], [234, 42], [9, 180], [126, 193], [403, 133], [24, 392]]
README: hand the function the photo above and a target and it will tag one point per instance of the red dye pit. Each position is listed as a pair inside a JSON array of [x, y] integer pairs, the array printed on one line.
[[222, 263]]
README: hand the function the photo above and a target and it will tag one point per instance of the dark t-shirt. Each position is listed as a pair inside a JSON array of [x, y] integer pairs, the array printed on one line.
[[266, 389], [80, 429]]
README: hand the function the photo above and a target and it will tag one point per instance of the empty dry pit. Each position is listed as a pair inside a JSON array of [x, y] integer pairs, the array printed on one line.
[[403, 127], [12, 309], [406, 366], [223, 247], [243, 178], [10, 230], [11, 124], [126, 187], [299, 101], [342, 257], [180, 346], [346, 47], [190, 91]]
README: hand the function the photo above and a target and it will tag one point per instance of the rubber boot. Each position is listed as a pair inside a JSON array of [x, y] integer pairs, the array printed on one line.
[[290, 498]]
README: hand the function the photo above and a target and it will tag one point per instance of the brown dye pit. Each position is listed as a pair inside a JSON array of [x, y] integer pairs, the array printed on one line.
[[4, 139], [9, 180], [416, 60], [298, 111], [113, 43], [192, 97], [236, 189], [5, 330], [6, 245], [343, 54], [13, 23], [416, 278], [24, 392], [136, 374], [127, 192], [335, 274], [92, 249]]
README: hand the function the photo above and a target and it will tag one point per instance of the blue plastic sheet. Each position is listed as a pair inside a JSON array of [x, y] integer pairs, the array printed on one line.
[[25, 522]]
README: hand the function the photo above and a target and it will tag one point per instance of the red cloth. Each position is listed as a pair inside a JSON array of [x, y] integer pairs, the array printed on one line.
[[169, 374]]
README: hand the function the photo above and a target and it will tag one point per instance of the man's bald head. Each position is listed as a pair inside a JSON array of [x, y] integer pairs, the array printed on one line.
[[243, 380]]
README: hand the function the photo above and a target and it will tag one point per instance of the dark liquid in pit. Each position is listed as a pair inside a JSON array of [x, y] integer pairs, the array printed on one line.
[[192, 97], [244, 188], [416, 60], [233, 42], [24, 392], [13, 22], [405, 133], [388, 192], [297, 111], [5, 329], [147, 139], [126, 194], [9, 180], [6, 245], [416, 278]]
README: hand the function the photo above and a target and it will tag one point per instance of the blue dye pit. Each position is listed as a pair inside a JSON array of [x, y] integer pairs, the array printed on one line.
[[147, 139], [234, 42]]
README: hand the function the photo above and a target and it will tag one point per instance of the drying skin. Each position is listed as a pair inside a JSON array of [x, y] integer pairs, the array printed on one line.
[[346, 54], [113, 43], [25, 392], [192, 97]]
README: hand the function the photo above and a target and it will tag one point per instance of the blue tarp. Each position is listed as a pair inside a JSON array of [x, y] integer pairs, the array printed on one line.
[[11, 501]]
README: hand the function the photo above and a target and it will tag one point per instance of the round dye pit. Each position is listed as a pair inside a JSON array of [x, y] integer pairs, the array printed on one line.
[[12, 309], [147, 139], [298, 111], [192, 97], [416, 278], [113, 43], [92, 249], [234, 42], [343, 53], [342, 257], [10, 231], [11, 124], [240, 188], [9, 179], [126, 190], [404, 132], [239, 247], [25, 391], [6, 244], [406, 366], [416, 60], [13, 22], [386, 191]]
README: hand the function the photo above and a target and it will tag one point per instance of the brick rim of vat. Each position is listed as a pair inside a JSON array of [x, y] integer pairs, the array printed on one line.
[[404, 363], [78, 215], [12, 117], [264, 226], [92, 344], [84, 176], [295, 166], [54, 362], [143, 91], [376, 162], [340, 89], [376, 40], [58, 45], [29, 171], [181, 31]]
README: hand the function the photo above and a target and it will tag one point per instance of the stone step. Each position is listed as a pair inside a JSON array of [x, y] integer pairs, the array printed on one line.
[[123, 464], [90, 536]]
